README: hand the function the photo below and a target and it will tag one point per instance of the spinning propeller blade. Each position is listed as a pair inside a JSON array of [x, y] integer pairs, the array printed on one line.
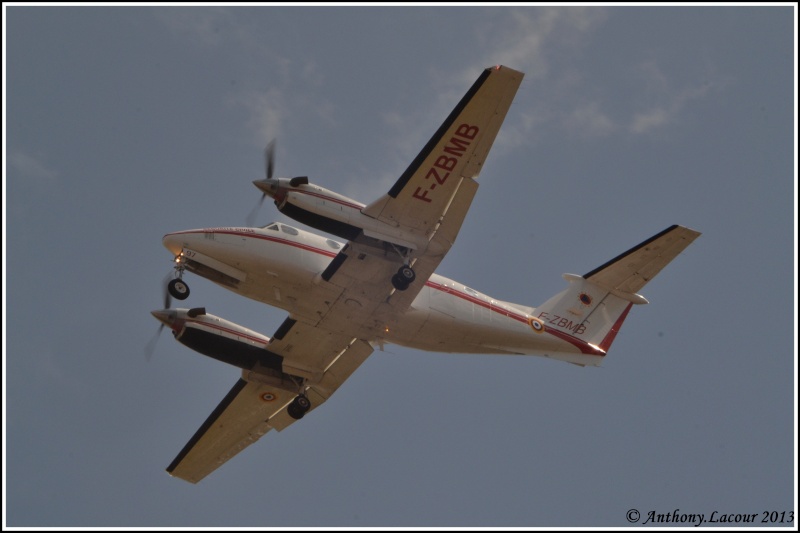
[[251, 218], [269, 170], [269, 159], [276, 188], [151, 346]]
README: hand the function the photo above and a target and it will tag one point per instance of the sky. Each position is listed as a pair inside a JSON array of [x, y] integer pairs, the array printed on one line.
[[122, 124]]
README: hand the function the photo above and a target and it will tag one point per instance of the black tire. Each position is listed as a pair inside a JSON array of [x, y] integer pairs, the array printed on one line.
[[295, 412], [178, 289], [399, 283], [407, 274], [302, 403]]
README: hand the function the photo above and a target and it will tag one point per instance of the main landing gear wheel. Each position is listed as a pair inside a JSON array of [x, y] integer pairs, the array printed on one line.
[[404, 277], [299, 407], [178, 289]]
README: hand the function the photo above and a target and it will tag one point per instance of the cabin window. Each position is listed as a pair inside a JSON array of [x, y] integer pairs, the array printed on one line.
[[471, 291], [333, 244]]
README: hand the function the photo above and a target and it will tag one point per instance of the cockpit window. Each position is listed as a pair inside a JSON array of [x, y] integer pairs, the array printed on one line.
[[471, 291], [333, 244], [273, 227], [288, 229]]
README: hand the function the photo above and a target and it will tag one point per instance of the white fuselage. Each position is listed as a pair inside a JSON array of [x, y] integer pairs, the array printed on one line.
[[280, 265]]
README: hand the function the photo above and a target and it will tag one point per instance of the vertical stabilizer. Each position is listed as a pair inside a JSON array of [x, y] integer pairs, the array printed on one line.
[[593, 307]]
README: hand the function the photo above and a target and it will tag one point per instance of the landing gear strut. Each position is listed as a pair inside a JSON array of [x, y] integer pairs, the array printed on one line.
[[299, 407], [404, 277]]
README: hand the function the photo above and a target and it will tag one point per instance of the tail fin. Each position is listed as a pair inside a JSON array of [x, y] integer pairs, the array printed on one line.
[[594, 305]]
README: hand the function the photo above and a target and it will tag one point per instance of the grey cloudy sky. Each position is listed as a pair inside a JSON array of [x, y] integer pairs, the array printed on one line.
[[123, 124]]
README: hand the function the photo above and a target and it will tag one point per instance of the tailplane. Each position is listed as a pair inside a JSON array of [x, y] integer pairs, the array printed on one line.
[[593, 306]]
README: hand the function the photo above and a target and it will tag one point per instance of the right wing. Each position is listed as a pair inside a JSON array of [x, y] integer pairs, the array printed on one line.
[[240, 419], [258, 401]]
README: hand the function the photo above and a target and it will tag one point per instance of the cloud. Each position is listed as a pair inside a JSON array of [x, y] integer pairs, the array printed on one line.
[[291, 81], [216, 27], [531, 37], [522, 39], [589, 120], [644, 122], [32, 168], [209, 26], [670, 103], [266, 112]]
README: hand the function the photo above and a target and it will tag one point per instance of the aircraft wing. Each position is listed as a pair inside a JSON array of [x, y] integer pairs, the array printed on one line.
[[362, 302], [456, 151], [257, 402], [430, 199]]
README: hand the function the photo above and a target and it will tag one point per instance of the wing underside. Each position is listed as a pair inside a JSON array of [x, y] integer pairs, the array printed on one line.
[[457, 150], [258, 403], [430, 199]]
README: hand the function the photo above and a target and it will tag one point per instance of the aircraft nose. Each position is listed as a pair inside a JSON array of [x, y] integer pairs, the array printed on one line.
[[173, 242]]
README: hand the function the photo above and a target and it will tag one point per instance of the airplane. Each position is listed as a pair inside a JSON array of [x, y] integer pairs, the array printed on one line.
[[345, 299]]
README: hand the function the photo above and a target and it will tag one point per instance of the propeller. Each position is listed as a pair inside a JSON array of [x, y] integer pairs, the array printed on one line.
[[269, 170], [272, 187], [151, 346]]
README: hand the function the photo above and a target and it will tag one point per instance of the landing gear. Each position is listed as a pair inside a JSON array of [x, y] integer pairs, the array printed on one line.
[[299, 407], [178, 289], [404, 277]]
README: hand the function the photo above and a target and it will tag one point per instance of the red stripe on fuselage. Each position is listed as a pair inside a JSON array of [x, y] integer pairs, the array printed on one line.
[[477, 301], [263, 237], [582, 345]]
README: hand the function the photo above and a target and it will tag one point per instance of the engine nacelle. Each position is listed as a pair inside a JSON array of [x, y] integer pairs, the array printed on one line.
[[321, 209], [220, 339], [333, 213]]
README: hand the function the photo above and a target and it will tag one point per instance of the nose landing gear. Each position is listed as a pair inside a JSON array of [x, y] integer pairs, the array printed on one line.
[[178, 288]]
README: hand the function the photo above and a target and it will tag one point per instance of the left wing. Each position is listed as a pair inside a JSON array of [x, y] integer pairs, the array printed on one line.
[[430, 201], [258, 402]]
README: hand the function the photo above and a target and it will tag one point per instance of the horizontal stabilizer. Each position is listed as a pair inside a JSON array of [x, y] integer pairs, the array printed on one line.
[[631, 270]]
